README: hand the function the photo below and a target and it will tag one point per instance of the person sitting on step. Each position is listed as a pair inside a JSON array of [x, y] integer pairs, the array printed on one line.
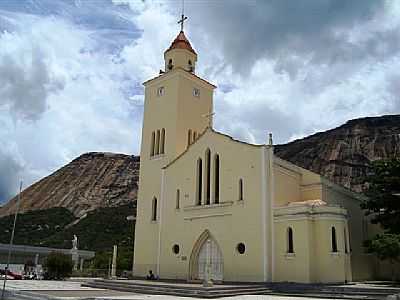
[[150, 276]]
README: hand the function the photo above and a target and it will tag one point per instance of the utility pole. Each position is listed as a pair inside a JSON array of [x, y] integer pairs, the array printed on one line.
[[11, 241]]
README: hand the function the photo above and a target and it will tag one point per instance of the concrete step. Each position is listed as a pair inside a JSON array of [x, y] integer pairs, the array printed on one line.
[[181, 286], [215, 292], [367, 294], [351, 289]]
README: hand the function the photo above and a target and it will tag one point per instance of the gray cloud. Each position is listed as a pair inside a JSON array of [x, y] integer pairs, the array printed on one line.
[[394, 90], [25, 86], [252, 122], [9, 169], [283, 29]]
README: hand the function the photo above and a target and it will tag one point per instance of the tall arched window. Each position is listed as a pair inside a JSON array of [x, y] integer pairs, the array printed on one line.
[[290, 248], [199, 182], [240, 189], [216, 178], [162, 143], [157, 150], [178, 199], [346, 249], [154, 210], [153, 137], [189, 139], [334, 240], [208, 177]]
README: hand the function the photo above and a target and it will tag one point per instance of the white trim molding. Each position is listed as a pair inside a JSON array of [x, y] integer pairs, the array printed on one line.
[[208, 206], [160, 220], [206, 216], [263, 210]]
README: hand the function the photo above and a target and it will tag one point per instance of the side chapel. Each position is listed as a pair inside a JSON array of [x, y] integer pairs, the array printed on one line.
[[263, 218]]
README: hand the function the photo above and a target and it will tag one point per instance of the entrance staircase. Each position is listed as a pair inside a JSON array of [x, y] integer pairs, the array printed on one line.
[[236, 289], [179, 289]]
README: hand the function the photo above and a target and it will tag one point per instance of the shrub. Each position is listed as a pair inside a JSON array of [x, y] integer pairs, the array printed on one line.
[[58, 266]]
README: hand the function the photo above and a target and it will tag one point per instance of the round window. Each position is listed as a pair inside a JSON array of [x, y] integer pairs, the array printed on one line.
[[241, 248], [175, 249]]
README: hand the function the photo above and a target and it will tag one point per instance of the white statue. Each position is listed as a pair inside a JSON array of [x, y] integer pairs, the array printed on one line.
[[75, 242]]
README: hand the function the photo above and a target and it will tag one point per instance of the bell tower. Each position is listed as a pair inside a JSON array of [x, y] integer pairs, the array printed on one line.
[[177, 109], [177, 104], [180, 55]]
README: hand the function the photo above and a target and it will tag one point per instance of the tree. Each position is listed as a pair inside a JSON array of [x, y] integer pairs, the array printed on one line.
[[383, 203], [58, 265], [384, 194], [385, 247]]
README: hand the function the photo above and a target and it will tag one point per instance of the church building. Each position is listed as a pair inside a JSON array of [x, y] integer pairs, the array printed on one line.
[[210, 203]]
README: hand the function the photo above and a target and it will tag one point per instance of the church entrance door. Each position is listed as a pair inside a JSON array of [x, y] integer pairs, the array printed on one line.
[[215, 261], [205, 247]]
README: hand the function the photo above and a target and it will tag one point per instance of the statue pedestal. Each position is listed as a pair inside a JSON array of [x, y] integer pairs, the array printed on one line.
[[75, 258]]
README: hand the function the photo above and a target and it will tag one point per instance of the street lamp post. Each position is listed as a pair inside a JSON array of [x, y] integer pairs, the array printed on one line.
[[11, 241]]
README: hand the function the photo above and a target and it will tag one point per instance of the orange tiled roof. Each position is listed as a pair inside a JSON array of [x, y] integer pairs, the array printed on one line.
[[181, 42]]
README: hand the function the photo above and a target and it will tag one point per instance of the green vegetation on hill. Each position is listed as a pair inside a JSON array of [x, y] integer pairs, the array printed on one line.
[[35, 226], [100, 230]]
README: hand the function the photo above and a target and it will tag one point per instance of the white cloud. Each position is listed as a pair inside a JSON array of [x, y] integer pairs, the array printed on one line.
[[66, 99]]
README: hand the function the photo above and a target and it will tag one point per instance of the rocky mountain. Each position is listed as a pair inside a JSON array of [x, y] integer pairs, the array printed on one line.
[[90, 181], [345, 153], [95, 180]]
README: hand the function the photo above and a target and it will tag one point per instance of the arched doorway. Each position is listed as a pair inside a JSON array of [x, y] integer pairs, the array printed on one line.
[[198, 258]]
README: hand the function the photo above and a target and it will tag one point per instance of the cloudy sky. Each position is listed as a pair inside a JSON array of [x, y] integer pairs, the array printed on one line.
[[71, 71]]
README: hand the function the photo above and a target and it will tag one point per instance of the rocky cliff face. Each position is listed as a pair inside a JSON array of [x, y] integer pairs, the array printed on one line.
[[90, 181], [94, 180], [344, 154]]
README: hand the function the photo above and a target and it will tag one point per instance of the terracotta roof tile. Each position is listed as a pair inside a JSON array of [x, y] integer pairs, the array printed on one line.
[[181, 42]]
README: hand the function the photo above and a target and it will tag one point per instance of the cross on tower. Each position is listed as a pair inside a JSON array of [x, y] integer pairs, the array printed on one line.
[[209, 116], [183, 19]]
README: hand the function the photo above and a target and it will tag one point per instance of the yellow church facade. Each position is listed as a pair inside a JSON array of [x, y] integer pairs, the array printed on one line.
[[212, 205]]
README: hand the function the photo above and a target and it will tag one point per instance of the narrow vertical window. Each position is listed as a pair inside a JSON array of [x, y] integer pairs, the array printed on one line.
[[290, 248], [190, 67], [194, 136], [154, 210], [178, 199], [162, 143], [160, 91], [216, 178], [157, 150], [334, 240], [196, 92], [189, 140], [240, 189], [153, 137], [199, 182], [346, 249], [208, 176]]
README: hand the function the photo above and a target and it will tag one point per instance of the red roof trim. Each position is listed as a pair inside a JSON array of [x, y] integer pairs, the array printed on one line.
[[181, 42]]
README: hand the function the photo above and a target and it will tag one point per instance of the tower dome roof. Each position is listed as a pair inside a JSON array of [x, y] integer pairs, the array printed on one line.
[[181, 42]]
